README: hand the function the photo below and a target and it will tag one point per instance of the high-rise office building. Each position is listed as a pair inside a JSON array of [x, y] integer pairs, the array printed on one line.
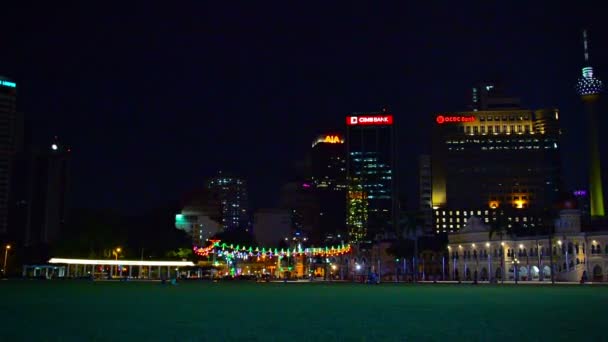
[[424, 191], [372, 199], [492, 96], [39, 194], [494, 159], [299, 199], [229, 195], [589, 88], [328, 177], [11, 126]]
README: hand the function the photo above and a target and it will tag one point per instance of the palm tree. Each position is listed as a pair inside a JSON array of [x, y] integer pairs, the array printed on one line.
[[548, 227], [500, 226], [410, 225]]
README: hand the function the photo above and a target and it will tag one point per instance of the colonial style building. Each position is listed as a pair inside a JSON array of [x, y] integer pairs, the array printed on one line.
[[570, 251]]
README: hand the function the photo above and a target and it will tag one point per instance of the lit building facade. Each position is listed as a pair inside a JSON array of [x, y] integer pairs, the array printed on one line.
[[589, 88], [230, 196], [328, 177], [195, 222], [507, 160], [570, 252], [11, 126], [372, 206]]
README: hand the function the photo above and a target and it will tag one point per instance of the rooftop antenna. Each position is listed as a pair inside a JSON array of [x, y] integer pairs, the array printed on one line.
[[585, 45]]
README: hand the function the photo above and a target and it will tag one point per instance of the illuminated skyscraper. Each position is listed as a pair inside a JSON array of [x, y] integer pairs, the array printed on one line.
[[328, 166], [506, 160], [589, 89], [372, 206]]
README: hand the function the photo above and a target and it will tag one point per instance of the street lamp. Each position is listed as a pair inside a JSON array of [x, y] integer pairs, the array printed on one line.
[[115, 252], [5, 257]]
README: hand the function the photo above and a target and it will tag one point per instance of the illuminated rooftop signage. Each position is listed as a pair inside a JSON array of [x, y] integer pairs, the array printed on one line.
[[8, 84], [328, 139], [441, 119], [369, 120]]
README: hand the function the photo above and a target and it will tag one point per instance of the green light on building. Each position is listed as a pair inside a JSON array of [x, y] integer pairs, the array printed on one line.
[[8, 84]]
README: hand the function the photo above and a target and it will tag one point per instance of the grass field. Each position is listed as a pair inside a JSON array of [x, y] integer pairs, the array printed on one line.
[[80, 310]]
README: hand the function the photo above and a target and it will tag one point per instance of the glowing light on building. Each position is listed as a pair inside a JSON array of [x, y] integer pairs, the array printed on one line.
[[8, 84], [441, 119], [369, 120], [328, 139]]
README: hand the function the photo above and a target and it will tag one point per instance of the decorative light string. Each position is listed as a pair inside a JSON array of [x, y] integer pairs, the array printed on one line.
[[243, 252]]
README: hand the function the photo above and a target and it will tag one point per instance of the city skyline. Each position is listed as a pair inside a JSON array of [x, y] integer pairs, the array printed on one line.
[[152, 109]]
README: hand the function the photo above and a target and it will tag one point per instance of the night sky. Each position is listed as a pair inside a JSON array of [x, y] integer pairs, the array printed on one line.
[[155, 97]]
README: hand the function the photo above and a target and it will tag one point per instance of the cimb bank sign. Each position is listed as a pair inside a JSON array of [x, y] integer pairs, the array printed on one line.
[[369, 120]]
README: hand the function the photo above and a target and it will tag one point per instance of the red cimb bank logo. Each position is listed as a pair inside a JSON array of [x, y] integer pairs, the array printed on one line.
[[441, 119], [375, 120]]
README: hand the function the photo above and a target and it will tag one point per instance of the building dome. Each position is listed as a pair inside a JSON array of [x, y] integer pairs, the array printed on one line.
[[587, 84]]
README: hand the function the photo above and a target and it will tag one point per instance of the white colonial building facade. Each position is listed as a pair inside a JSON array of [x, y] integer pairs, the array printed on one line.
[[571, 252]]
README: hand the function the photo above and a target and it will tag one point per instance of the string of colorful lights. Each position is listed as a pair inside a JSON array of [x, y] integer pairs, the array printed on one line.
[[244, 252]]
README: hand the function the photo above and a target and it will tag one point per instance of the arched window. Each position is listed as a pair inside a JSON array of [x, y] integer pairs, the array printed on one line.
[[576, 248], [524, 254], [475, 254], [578, 261], [592, 249], [570, 249]]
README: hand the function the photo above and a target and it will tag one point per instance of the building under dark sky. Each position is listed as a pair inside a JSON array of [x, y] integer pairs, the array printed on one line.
[[371, 164], [155, 98]]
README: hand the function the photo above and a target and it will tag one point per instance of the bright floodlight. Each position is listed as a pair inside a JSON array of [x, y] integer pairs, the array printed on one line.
[[54, 147]]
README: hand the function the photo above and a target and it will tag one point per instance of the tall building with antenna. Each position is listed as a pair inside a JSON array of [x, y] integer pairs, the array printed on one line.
[[589, 89]]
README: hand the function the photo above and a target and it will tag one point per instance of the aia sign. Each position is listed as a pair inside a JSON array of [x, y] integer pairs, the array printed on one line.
[[441, 119], [369, 120], [333, 139]]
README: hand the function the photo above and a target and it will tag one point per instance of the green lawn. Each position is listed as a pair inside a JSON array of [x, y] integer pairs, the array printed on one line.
[[193, 311]]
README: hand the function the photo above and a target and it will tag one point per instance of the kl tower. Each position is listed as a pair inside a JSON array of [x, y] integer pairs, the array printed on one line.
[[589, 89]]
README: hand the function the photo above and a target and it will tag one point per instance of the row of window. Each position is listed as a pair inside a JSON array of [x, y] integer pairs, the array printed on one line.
[[504, 117], [496, 129]]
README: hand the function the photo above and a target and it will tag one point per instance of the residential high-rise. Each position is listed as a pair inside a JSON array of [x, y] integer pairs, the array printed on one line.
[[230, 195], [328, 177], [372, 199], [11, 126], [507, 160], [589, 88]]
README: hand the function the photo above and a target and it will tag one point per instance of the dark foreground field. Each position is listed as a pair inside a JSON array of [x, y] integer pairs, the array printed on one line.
[[79, 310]]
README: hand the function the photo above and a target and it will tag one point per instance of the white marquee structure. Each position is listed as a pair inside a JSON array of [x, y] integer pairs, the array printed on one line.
[[145, 268]]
